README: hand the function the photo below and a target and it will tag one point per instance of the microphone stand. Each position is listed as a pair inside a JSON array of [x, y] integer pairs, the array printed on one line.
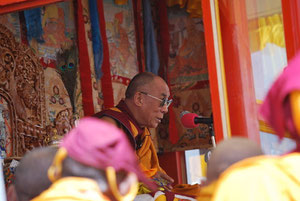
[[213, 141], [212, 135]]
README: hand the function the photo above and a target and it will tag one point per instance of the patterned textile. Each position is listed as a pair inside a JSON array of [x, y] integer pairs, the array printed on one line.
[[9, 169], [39, 95], [103, 86], [56, 52], [122, 44], [58, 49], [88, 63], [12, 23], [188, 74], [192, 6], [59, 57]]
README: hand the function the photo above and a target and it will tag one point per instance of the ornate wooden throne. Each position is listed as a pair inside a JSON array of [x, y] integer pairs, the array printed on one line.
[[22, 89]]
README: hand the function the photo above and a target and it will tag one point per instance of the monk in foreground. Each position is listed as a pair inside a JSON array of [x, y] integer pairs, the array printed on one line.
[[226, 154], [94, 162], [271, 178]]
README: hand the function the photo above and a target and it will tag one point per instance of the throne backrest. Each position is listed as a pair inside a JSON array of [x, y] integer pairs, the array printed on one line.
[[22, 89]]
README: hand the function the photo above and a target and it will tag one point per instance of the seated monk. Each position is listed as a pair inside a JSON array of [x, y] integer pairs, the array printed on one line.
[[227, 153], [145, 104], [271, 178], [95, 162]]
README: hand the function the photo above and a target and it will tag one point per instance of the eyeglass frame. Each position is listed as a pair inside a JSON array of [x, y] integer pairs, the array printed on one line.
[[163, 101]]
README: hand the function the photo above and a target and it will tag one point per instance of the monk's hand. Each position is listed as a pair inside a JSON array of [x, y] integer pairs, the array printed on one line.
[[163, 180]]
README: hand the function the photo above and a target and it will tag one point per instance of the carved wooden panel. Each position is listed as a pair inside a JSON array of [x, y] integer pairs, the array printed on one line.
[[22, 87]]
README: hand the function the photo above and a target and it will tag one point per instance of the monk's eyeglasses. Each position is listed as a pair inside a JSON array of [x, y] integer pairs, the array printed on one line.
[[163, 101]]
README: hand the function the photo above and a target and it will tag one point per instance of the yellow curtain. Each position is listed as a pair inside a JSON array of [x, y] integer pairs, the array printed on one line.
[[193, 7], [268, 54], [265, 30]]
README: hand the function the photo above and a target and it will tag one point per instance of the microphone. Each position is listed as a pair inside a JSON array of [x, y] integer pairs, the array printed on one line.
[[190, 120]]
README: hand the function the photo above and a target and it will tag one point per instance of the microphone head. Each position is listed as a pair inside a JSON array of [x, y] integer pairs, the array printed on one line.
[[188, 119]]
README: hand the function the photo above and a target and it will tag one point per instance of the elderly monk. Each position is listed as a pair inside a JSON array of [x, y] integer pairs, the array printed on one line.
[[145, 104], [227, 153], [94, 162], [31, 174], [271, 178]]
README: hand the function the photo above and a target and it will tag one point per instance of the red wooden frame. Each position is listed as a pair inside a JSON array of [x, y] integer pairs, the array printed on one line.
[[16, 5], [238, 69], [291, 23], [211, 61]]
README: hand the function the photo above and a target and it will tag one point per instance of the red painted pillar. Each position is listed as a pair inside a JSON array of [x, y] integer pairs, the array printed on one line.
[[238, 69], [291, 22]]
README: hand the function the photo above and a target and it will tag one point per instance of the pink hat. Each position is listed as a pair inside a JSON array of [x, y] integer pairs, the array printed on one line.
[[100, 144]]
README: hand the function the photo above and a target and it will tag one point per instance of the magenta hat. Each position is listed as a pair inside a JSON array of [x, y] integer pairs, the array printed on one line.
[[100, 144], [275, 109]]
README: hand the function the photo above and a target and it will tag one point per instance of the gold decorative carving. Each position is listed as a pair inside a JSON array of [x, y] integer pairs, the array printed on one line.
[[22, 86]]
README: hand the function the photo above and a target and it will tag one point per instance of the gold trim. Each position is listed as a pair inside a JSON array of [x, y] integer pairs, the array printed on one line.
[[55, 170], [264, 127], [112, 181]]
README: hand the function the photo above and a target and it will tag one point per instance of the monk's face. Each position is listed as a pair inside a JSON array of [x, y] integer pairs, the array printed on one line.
[[152, 109]]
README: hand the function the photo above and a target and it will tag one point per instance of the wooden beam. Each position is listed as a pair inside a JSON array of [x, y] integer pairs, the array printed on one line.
[[17, 5]]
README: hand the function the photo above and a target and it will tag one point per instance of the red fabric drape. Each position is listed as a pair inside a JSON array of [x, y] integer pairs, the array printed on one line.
[[165, 40], [139, 34], [84, 64], [106, 80], [23, 28]]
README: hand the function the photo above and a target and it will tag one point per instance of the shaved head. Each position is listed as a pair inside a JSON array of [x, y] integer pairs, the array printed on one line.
[[31, 174], [138, 81], [229, 152]]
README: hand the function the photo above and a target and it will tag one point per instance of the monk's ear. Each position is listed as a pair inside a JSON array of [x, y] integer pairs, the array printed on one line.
[[138, 99]]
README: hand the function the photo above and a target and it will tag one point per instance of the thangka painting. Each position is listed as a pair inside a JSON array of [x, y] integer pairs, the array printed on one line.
[[51, 33], [121, 39], [39, 98], [188, 77]]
